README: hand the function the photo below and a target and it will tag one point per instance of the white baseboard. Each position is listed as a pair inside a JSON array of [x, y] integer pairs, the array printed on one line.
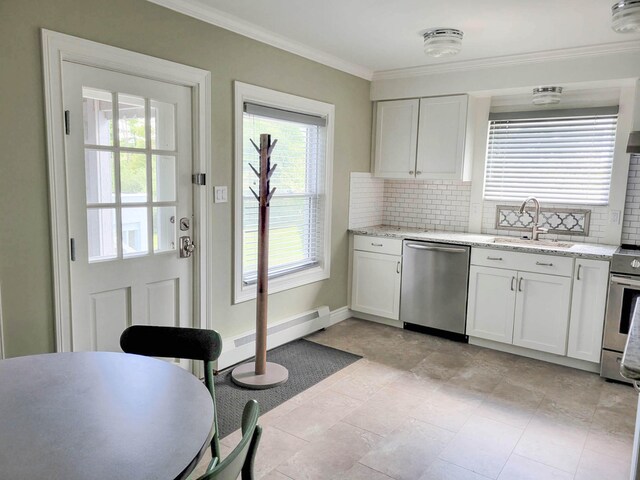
[[235, 351], [340, 314], [544, 356]]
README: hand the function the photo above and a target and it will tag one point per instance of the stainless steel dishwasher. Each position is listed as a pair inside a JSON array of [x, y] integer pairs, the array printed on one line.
[[433, 298]]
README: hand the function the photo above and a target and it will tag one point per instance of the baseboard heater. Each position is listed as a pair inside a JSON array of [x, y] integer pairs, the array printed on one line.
[[243, 347]]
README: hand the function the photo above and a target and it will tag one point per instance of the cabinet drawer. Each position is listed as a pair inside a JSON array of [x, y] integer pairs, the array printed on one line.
[[526, 262], [391, 246]]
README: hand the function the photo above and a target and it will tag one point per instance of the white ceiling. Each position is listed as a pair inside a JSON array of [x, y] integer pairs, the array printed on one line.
[[364, 36]]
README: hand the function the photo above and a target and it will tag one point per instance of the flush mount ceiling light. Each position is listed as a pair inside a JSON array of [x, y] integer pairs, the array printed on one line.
[[546, 95], [443, 42], [625, 16]]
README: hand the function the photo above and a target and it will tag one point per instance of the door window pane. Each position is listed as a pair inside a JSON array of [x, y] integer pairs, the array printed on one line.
[[97, 114], [164, 229], [131, 122], [133, 177], [163, 125], [102, 234], [134, 231], [163, 171], [100, 176]]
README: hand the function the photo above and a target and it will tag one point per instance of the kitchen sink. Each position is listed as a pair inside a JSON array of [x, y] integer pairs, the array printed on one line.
[[532, 243]]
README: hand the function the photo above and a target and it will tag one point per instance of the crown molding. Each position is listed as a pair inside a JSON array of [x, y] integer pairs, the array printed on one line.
[[519, 59], [229, 22]]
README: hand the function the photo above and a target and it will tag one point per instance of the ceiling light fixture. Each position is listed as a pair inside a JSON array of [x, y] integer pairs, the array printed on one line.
[[443, 42], [625, 16], [546, 95]]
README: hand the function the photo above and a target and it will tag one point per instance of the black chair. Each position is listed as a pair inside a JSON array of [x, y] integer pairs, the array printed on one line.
[[241, 459], [178, 342]]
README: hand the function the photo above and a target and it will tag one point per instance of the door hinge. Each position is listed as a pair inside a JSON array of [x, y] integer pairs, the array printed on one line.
[[67, 127], [72, 249], [199, 179]]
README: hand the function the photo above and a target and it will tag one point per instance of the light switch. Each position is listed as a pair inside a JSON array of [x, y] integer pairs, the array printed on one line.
[[220, 194]]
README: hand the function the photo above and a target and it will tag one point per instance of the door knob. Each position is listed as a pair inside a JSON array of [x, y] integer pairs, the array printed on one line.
[[186, 247]]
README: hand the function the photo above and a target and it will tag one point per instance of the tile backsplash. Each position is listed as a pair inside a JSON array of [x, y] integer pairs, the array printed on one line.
[[631, 221], [445, 205], [365, 200], [428, 204]]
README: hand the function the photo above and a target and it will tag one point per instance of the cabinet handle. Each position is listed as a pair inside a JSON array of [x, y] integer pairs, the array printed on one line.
[[578, 274], [495, 258], [410, 172], [544, 264], [418, 172], [376, 244], [512, 280], [520, 284], [398, 267]]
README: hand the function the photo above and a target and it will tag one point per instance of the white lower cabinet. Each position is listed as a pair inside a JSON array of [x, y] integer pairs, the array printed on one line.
[[492, 299], [524, 308], [542, 312], [375, 285], [589, 299]]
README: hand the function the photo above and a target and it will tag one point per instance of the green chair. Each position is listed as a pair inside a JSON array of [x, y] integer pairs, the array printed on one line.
[[241, 459], [175, 342]]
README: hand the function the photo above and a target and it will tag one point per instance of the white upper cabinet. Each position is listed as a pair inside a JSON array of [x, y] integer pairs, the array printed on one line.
[[421, 138], [396, 138], [588, 304], [441, 137]]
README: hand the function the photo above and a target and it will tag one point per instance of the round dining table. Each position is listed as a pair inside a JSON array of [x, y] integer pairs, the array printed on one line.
[[101, 415]]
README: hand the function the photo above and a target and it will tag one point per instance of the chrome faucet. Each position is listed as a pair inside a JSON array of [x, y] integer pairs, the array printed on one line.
[[536, 230]]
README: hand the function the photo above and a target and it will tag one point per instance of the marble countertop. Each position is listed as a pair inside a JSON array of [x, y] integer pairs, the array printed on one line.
[[630, 365], [581, 250]]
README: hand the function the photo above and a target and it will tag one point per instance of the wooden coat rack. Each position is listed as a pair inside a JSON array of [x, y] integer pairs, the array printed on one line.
[[261, 374]]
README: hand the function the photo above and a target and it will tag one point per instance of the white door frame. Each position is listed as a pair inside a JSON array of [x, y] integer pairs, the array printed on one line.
[[58, 47]]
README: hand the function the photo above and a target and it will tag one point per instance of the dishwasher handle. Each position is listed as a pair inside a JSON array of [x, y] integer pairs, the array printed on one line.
[[419, 246]]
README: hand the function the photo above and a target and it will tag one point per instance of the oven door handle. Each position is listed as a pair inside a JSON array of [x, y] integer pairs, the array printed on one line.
[[625, 281]]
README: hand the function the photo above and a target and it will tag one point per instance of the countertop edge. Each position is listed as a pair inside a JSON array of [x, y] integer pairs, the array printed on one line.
[[587, 251]]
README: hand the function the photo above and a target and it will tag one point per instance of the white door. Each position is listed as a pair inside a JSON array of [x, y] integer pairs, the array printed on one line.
[[542, 312], [128, 164], [590, 285], [492, 298], [396, 138], [376, 284]]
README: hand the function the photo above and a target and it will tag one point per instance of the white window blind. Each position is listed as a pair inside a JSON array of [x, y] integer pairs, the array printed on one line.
[[561, 156], [296, 217]]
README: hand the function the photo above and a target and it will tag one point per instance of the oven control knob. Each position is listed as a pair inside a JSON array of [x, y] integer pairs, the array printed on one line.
[[635, 263]]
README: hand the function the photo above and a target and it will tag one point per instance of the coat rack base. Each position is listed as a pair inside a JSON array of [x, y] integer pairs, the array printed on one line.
[[245, 376]]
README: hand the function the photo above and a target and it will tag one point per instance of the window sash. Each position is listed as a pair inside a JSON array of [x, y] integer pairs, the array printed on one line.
[[292, 210], [561, 159]]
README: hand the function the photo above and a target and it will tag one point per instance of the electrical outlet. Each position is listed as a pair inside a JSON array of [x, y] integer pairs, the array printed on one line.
[[220, 194], [614, 217]]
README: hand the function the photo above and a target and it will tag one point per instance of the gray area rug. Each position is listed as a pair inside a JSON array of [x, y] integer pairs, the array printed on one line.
[[308, 363]]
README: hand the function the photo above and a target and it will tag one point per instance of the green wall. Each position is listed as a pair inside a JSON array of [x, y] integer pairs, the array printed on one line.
[[140, 26]]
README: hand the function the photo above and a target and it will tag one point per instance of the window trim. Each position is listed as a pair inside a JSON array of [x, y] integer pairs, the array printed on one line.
[[251, 93]]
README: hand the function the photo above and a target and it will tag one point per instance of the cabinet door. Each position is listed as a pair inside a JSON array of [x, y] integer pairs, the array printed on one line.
[[376, 284], [542, 312], [396, 138], [492, 298], [441, 138], [588, 302]]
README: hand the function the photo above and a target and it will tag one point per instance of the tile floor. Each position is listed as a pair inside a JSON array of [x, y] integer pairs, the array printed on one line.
[[418, 407]]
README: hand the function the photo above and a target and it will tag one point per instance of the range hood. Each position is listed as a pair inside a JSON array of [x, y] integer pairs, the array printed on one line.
[[633, 146]]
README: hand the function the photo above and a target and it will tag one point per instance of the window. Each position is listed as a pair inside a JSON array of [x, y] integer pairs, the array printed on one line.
[[299, 214], [560, 156]]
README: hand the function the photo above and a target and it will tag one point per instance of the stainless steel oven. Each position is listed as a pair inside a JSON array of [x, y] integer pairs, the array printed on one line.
[[624, 288]]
